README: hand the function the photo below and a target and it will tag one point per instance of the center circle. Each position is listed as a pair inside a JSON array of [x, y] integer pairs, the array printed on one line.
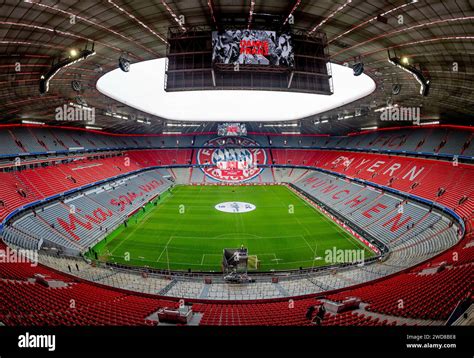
[[235, 207]]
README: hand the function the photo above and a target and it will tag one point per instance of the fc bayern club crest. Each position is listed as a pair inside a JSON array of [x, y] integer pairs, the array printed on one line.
[[228, 161]]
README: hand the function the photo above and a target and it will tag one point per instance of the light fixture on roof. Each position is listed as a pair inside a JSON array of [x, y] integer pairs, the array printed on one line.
[[182, 124], [80, 106], [369, 128], [396, 88], [53, 71], [124, 63], [143, 121], [98, 69], [390, 106], [31, 122], [429, 123], [73, 53], [281, 125], [115, 115], [94, 128], [358, 67], [81, 101], [415, 72], [76, 85], [405, 60]]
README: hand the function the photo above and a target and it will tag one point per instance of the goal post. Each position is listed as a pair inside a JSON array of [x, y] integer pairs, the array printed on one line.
[[238, 260], [253, 262]]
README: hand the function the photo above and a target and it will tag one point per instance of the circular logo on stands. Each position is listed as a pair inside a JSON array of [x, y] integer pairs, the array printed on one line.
[[235, 207], [226, 160]]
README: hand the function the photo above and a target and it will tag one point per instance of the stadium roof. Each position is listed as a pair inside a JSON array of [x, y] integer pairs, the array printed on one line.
[[437, 36], [142, 88]]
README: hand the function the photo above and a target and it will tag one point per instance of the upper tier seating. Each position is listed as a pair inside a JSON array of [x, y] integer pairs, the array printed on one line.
[[441, 140]]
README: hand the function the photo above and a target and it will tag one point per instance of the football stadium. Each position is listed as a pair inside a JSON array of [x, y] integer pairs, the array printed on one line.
[[209, 163]]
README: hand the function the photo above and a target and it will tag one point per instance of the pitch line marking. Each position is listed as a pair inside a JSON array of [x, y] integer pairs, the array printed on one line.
[[145, 218], [354, 241], [276, 258], [139, 225], [307, 243], [165, 248], [302, 225]]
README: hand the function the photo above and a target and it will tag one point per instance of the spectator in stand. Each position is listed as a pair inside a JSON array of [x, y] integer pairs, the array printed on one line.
[[318, 319], [309, 313]]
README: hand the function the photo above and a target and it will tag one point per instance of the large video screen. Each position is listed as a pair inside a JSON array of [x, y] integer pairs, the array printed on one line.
[[231, 129], [252, 47]]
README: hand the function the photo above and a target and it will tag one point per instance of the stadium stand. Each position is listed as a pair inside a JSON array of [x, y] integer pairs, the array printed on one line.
[[414, 231], [431, 140]]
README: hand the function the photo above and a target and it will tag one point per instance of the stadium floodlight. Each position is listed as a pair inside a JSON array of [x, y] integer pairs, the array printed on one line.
[[429, 123], [116, 115], [281, 125], [81, 106], [358, 68], [403, 64], [369, 128], [382, 109], [31, 122], [53, 71], [143, 120], [94, 128], [76, 85], [183, 124], [81, 101], [124, 64], [396, 88], [73, 53]]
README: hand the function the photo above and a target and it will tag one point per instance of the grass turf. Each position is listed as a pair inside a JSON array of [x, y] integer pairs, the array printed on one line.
[[185, 231]]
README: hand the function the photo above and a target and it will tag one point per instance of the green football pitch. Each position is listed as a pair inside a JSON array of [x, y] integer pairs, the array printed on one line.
[[184, 230]]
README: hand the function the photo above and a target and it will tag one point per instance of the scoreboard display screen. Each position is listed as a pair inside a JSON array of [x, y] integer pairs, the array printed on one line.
[[252, 47], [231, 129]]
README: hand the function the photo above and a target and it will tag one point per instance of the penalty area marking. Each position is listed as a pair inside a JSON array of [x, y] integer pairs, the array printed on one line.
[[165, 248], [204, 255]]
